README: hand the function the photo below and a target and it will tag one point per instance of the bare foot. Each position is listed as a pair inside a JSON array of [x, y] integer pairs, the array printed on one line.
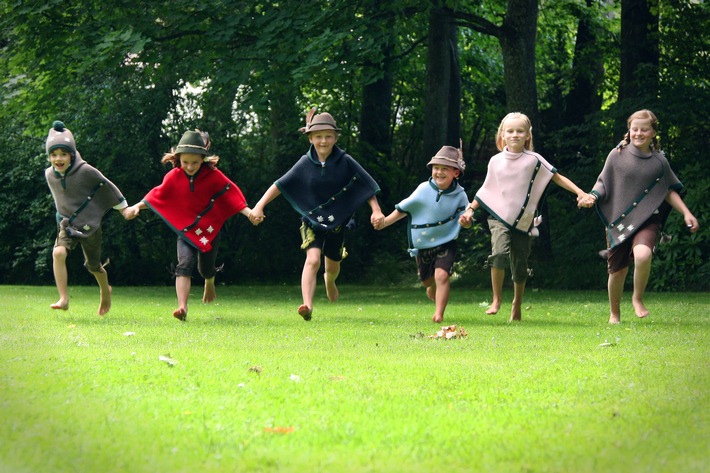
[[437, 319], [180, 313], [330, 289], [493, 308], [105, 304], [431, 292], [614, 319], [515, 315], [210, 293], [640, 308], [305, 312], [60, 305]]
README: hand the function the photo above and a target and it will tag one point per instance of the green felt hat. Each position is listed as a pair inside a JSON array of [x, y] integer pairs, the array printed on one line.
[[196, 142]]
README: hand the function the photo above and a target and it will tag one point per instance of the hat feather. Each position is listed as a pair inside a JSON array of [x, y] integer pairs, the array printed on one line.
[[205, 137]]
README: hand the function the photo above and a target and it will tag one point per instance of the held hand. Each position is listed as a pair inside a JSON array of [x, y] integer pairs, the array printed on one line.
[[466, 220], [129, 213], [256, 216], [586, 201], [691, 222], [377, 219]]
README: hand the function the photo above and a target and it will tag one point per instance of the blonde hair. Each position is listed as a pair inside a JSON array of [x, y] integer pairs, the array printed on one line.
[[641, 115], [500, 142], [174, 159]]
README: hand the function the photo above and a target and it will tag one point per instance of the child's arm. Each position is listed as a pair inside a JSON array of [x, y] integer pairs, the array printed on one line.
[[677, 203], [377, 218], [395, 216], [566, 184], [129, 213], [245, 211], [256, 216], [466, 218]]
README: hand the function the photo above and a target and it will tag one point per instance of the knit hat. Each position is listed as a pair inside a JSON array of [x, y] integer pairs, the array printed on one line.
[[449, 156], [322, 121], [196, 142], [60, 137]]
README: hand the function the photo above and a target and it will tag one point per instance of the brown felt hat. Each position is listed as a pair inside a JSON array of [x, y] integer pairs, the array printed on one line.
[[322, 121], [449, 156]]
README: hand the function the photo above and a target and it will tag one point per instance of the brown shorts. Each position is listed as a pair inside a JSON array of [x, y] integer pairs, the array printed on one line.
[[91, 246], [430, 259], [621, 255]]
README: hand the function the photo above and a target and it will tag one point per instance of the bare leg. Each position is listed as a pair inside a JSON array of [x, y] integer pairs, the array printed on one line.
[[210, 293], [430, 285], [497, 279], [308, 282], [182, 289], [643, 255], [102, 278], [443, 289], [518, 292], [61, 277], [332, 271], [615, 286]]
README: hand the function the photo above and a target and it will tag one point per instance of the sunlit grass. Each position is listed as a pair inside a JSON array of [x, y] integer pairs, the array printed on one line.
[[246, 385]]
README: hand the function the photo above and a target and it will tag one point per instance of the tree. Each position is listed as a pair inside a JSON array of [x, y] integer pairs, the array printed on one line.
[[639, 50]]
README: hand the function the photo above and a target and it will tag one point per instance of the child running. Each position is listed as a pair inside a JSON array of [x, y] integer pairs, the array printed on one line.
[[633, 196], [433, 210], [195, 199], [82, 196], [511, 192], [325, 187]]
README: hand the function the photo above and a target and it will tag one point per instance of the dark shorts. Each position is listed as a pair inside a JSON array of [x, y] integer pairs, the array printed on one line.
[[620, 256], [188, 256], [430, 259], [331, 243], [91, 246]]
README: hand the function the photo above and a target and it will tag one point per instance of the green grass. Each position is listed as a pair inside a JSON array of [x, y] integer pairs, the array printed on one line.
[[361, 388]]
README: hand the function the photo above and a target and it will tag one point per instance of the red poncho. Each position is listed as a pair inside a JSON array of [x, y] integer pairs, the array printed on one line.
[[196, 207]]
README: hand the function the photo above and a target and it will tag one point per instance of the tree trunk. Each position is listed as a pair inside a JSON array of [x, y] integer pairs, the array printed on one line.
[[442, 106], [517, 41], [587, 71], [639, 50]]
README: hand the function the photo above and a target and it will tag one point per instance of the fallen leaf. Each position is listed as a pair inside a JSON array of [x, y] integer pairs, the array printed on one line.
[[279, 430], [450, 331]]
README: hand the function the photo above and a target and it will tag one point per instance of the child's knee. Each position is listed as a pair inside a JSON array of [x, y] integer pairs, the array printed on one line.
[[498, 261], [441, 276], [59, 252]]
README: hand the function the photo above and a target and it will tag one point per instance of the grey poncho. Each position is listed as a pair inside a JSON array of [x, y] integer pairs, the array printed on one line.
[[631, 188]]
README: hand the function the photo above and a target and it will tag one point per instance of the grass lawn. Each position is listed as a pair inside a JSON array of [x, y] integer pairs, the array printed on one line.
[[245, 385]]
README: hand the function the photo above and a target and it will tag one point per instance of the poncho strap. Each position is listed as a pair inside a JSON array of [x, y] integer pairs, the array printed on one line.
[[453, 216]]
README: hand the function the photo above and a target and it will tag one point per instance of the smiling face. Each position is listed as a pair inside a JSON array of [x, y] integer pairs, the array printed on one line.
[[641, 133], [323, 142], [60, 159], [515, 134], [191, 162], [443, 176]]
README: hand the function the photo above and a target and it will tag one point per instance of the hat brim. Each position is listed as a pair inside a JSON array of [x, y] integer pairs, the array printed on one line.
[[320, 128], [62, 146], [191, 150], [443, 162]]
